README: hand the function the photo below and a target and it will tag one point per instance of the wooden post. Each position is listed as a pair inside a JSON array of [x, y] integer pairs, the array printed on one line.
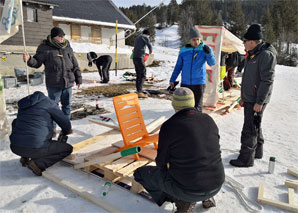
[[116, 45]]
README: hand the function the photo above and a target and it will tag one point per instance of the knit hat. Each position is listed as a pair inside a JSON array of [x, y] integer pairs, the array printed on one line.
[[183, 98], [56, 31], [146, 32], [194, 33], [254, 32]]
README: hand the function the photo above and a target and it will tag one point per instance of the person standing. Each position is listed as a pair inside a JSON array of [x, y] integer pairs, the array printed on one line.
[[60, 67], [31, 136], [192, 62], [256, 90], [138, 59], [188, 164]]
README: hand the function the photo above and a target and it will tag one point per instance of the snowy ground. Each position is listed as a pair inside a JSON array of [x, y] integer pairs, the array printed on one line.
[[21, 191]]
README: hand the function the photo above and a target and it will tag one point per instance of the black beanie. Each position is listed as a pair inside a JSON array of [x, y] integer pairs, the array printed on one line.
[[56, 31], [146, 32], [254, 32]]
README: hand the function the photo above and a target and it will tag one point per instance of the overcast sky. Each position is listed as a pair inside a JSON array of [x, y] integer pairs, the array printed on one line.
[[128, 3]]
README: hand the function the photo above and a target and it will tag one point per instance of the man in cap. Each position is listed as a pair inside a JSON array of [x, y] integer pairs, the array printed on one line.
[[192, 62], [138, 60], [189, 166], [60, 66], [256, 89]]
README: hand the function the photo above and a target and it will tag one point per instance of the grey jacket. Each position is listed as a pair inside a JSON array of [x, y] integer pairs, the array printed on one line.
[[139, 48], [61, 66], [258, 76]]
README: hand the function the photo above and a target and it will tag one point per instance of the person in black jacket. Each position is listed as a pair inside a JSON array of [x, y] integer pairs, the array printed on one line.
[[256, 90], [31, 136], [189, 166], [60, 67], [138, 60], [103, 61]]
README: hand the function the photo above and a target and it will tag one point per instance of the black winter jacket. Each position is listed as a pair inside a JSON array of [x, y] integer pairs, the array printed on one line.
[[33, 127], [189, 142], [258, 75], [139, 47], [61, 66]]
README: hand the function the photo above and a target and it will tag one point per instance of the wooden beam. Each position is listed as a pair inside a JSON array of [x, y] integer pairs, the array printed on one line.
[[292, 183], [104, 124], [293, 172], [155, 125], [291, 196], [81, 192]]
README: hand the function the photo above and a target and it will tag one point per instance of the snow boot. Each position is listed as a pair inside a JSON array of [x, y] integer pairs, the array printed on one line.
[[142, 95], [184, 206], [24, 161], [259, 151], [208, 203], [34, 168], [244, 160]]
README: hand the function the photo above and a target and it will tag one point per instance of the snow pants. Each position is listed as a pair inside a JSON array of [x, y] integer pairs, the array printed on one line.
[[44, 157], [105, 62], [251, 135], [198, 91], [141, 73], [162, 187]]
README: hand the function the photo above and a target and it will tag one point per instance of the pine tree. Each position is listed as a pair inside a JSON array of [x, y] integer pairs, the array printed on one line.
[[237, 19], [202, 12], [268, 27], [185, 23], [172, 12]]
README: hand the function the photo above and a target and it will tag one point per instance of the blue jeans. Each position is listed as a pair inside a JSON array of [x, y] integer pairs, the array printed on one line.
[[63, 95]]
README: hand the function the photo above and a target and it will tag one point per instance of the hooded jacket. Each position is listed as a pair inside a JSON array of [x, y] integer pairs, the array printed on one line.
[[189, 143], [33, 127], [258, 75], [192, 62], [61, 66]]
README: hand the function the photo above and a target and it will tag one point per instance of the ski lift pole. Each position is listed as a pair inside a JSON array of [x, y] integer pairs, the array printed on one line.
[[116, 55]]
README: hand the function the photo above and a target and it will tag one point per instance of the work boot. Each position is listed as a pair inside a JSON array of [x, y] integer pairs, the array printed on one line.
[[239, 163], [54, 133], [259, 152], [34, 168], [142, 95], [208, 203], [24, 161], [184, 206]]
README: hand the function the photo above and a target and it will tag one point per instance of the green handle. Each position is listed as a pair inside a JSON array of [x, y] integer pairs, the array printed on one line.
[[238, 99], [130, 151]]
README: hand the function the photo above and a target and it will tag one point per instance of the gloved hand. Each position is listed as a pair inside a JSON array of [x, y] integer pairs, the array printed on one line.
[[89, 64], [206, 49], [62, 138]]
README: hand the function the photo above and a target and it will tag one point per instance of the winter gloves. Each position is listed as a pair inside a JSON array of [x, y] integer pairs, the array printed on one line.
[[206, 49]]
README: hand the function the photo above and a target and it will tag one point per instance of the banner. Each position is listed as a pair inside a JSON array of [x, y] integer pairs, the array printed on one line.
[[10, 19]]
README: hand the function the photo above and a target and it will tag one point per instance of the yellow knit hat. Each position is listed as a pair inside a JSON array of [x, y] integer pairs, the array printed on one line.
[[183, 97]]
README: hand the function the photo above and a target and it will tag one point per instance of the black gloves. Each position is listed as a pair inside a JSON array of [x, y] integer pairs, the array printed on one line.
[[206, 49], [89, 64]]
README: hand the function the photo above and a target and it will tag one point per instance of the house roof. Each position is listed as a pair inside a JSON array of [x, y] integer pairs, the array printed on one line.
[[96, 11], [41, 2]]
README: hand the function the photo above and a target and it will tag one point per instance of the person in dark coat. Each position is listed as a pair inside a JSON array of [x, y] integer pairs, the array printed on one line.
[[138, 60], [256, 90], [103, 61], [191, 63], [31, 136], [60, 67], [189, 166]]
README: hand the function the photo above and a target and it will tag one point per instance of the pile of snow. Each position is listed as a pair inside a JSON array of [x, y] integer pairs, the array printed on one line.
[[25, 192]]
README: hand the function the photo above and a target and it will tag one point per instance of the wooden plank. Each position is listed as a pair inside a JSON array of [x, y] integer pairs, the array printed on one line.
[[81, 192], [155, 125], [292, 172], [132, 167], [291, 196], [292, 184], [261, 191], [119, 164], [136, 187], [106, 151], [104, 124]]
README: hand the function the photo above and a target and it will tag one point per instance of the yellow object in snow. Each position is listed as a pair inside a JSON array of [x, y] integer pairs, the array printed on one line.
[[222, 72]]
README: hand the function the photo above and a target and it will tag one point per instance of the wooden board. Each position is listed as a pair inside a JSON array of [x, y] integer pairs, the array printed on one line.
[[292, 172], [292, 183]]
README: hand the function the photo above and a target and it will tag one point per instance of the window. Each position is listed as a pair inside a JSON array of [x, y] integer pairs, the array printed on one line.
[[31, 14]]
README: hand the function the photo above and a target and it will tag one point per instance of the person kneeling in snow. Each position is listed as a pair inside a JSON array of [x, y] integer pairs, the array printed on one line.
[[31, 136], [104, 61], [189, 166]]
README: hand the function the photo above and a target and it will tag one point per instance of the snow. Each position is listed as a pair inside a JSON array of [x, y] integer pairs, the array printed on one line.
[[21, 191]]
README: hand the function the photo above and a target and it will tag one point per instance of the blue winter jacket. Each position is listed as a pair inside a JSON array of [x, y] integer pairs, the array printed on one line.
[[192, 62], [33, 127]]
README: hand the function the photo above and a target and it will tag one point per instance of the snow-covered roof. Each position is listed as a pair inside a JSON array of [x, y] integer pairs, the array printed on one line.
[[101, 12]]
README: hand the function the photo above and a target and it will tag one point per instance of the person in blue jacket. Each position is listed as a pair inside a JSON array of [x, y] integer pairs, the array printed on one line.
[[32, 130], [192, 62]]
